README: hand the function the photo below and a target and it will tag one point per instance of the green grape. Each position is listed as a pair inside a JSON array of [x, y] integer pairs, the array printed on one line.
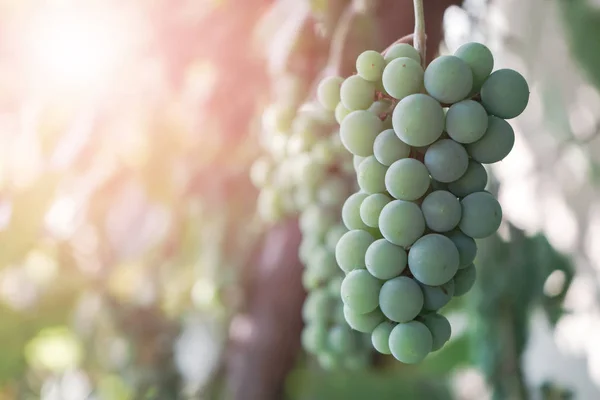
[[318, 306], [505, 93], [277, 146], [351, 211], [333, 191], [363, 322], [380, 338], [433, 259], [467, 248], [385, 260], [260, 172], [371, 207], [356, 161], [322, 152], [308, 245], [371, 176], [360, 291], [440, 329], [441, 210], [410, 342], [418, 120], [278, 117], [369, 65], [481, 215], [466, 121], [312, 279], [402, 50], [446, 160], [317, 220], [351, 248], [496, 143], [357, 93], [436, 297], [380, 107], [333, 235], [401, 222], [464, 280], [473, 180], [342, 340], [341, 112], [402, 77], [300, 142], [328, 92], [388, 149], [335, 285], [480, 59], [307, 172], [358, 132], [270, 204], [314, 337], [436, 185], [448, 79], [407, 179], [323, 261], [401, 299], [329, 361]]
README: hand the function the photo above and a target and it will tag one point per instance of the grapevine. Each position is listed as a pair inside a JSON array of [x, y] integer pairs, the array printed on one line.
[[419, 135]]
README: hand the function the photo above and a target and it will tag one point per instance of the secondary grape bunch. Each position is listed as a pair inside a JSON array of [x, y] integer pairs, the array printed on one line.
[[306, 171], [419, 138]]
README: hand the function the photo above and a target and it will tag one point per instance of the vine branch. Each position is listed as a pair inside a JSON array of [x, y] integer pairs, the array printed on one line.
[[419, 36]]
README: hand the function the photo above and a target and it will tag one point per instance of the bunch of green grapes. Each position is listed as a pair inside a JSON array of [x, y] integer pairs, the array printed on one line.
[[306, 171], [419, 138]]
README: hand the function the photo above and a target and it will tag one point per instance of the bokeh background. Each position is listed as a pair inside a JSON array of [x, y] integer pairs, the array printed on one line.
[[133, 264]]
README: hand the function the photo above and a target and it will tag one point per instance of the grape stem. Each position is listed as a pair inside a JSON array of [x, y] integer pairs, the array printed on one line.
[[419, 35], [403, 39]]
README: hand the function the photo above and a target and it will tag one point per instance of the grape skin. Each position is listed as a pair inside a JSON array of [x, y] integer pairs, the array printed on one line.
[[385, 260], [328, 92], [496, 143], [401, 299], [407, 179], [369, 65], [358, 132], [357, 93], [317, 306], [365, 323], [402, 50], [473, 180], [464, 280], [351, 248], [410, 342], [314, 337], [323, 262], [441, 210], [433, 259], [418, 120], [401, 222], [380, 338], [333, 235], [371, 176], [446, 160], [448, 79], [466, 121], [480, 59], [505, 93], [342, 340], [388, 149], [467, 248], [436, 297], [440, 329], [360, 291], [481, 215], [341, 112], [351, 211], [371, 207], [402, 77]]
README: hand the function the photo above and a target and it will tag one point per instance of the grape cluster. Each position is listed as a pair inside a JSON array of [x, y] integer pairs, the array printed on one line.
[[419, 138], [306, 171]]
